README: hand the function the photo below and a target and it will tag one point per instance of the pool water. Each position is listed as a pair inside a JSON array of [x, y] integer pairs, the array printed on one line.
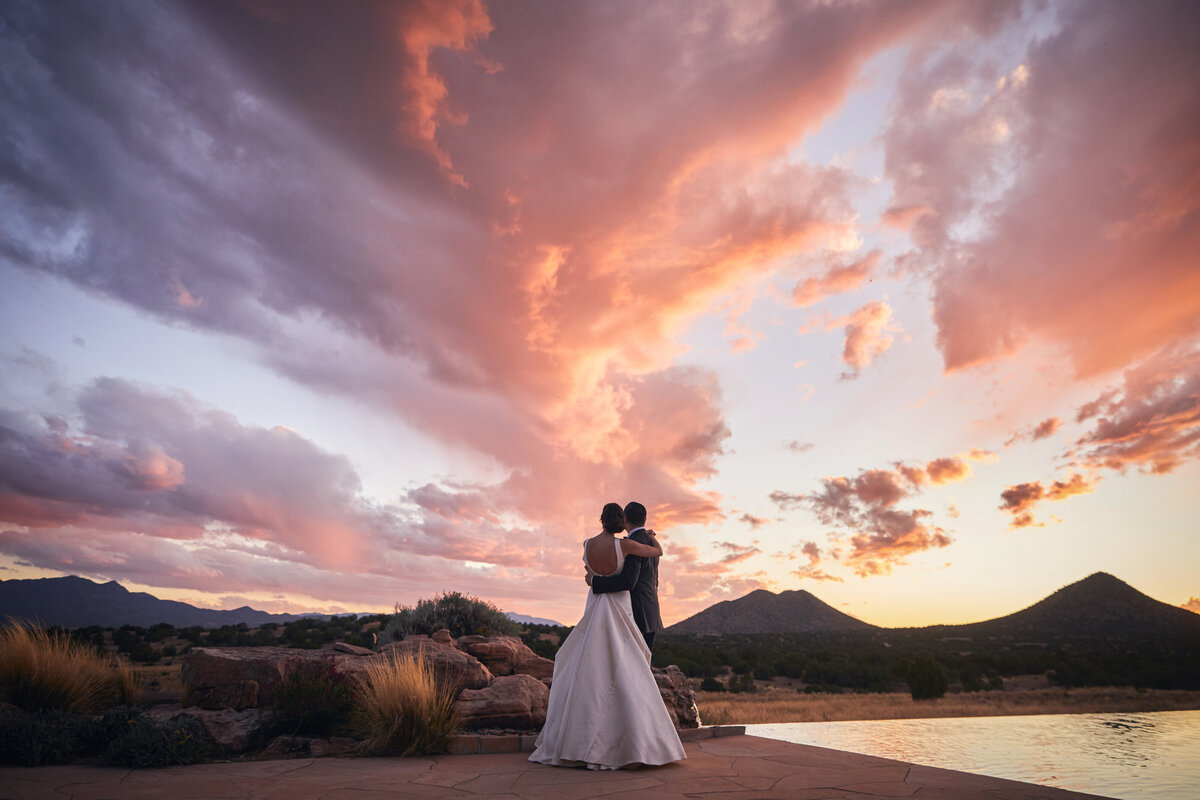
[[1153, 755]]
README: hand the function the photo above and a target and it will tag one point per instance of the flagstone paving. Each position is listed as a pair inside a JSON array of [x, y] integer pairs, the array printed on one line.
[[730, 768]]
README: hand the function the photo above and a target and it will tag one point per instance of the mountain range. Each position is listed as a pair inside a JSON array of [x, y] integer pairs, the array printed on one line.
[[1098, 605], [74, 602]]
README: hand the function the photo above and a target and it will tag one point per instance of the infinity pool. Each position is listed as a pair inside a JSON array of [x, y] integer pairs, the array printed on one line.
[[1129, 756]]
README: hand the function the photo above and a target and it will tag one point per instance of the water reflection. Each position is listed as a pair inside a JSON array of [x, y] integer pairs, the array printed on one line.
[[1129, 756]]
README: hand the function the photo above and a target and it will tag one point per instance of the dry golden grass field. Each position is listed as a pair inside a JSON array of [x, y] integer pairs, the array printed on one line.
[[773, 705]]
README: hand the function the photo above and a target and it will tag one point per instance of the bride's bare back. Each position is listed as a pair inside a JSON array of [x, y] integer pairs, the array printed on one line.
[[602, 556]]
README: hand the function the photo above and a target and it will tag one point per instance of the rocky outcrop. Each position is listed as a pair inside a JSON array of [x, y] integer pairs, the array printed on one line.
[[678, 696], [506, 655], [510, 701], [451, 666], [502, 683]]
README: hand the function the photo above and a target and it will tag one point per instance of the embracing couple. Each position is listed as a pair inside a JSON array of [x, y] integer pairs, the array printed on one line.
[[605, 711]]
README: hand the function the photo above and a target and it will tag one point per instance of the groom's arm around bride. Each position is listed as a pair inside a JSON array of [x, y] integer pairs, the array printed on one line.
[[639, 577]]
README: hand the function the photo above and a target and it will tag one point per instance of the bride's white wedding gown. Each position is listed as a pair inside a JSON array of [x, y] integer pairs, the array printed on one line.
[[605, 711]]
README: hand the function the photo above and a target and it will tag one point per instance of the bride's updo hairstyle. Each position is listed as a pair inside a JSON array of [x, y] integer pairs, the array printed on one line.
[[612, 518]]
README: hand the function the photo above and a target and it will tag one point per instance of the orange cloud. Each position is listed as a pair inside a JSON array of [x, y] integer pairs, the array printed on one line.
[[422, 28], [881, 534], [947, 470], [1020, 500], [1193, 604], [867, 334]]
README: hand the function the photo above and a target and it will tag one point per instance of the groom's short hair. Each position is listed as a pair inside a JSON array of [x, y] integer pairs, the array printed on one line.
[[635, 514]]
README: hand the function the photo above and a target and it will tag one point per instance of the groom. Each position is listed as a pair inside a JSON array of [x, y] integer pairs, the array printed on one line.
[[639, 577]]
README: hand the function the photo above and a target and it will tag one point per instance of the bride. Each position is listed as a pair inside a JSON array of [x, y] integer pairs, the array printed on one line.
[[605, 711]]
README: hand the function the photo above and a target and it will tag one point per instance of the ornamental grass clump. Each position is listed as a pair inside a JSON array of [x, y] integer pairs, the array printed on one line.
[[48, 671], [401, 709]]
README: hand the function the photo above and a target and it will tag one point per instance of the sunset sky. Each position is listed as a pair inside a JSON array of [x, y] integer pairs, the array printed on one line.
[[317, 306]]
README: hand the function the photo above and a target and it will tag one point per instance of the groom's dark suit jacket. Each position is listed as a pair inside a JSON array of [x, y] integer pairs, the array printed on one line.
[[640, 578]]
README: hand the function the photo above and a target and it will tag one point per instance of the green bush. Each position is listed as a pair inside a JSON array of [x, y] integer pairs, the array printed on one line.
[[926, 678], [315, 698], [711, 684], [146, 744], [457, 613]]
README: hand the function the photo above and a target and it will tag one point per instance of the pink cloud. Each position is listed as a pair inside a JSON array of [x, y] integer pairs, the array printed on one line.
[[754, 522], [903, 218], [1153, 422], [1090, 246], [867, 334], [838, 280], [812, 570]]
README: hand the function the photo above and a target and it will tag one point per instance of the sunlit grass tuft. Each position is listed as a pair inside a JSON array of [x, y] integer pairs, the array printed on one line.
[[402, 709], [48, 671]]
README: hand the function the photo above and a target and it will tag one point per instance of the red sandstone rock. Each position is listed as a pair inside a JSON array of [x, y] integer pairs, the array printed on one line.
[[678, 696], [506, 655], [511, 701]]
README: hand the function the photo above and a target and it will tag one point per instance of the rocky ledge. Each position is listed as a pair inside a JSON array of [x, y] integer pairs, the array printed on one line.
[[501, 684]]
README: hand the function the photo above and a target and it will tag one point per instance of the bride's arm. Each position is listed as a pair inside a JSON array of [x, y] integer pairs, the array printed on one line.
[[631, 548]]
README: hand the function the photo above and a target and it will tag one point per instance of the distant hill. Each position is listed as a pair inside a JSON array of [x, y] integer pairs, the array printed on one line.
[[526, 620], [762, 611], [1098, 605], [75, 602]]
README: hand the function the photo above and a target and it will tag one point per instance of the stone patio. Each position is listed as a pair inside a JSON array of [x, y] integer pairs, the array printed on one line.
[[736, 767]]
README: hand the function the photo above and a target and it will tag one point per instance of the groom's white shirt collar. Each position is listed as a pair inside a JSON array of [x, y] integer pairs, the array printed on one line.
[[635, 530]]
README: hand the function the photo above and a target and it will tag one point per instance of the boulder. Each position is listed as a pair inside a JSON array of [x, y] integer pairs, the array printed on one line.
[[678, 696], [451, 666], [232, 695], [233, 731], [510, 701], [221, 677], [506, 655], [352, 649], [244, 677], [442, 637]]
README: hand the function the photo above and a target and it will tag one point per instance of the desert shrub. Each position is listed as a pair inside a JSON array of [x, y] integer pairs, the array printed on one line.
[[35, 740], [49, 671], [457, 613], [823, 688], [147, 743], [315, 698], [926, 678], [711, 684], [400, 708], [743, 684]]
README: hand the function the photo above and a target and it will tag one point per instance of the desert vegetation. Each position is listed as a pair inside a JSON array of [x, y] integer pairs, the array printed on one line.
[[884, 660], [49, 671], [460, 614], [769, 705], [400, 708]]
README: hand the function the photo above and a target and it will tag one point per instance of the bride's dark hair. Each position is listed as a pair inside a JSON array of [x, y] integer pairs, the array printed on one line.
[[612, 518]]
